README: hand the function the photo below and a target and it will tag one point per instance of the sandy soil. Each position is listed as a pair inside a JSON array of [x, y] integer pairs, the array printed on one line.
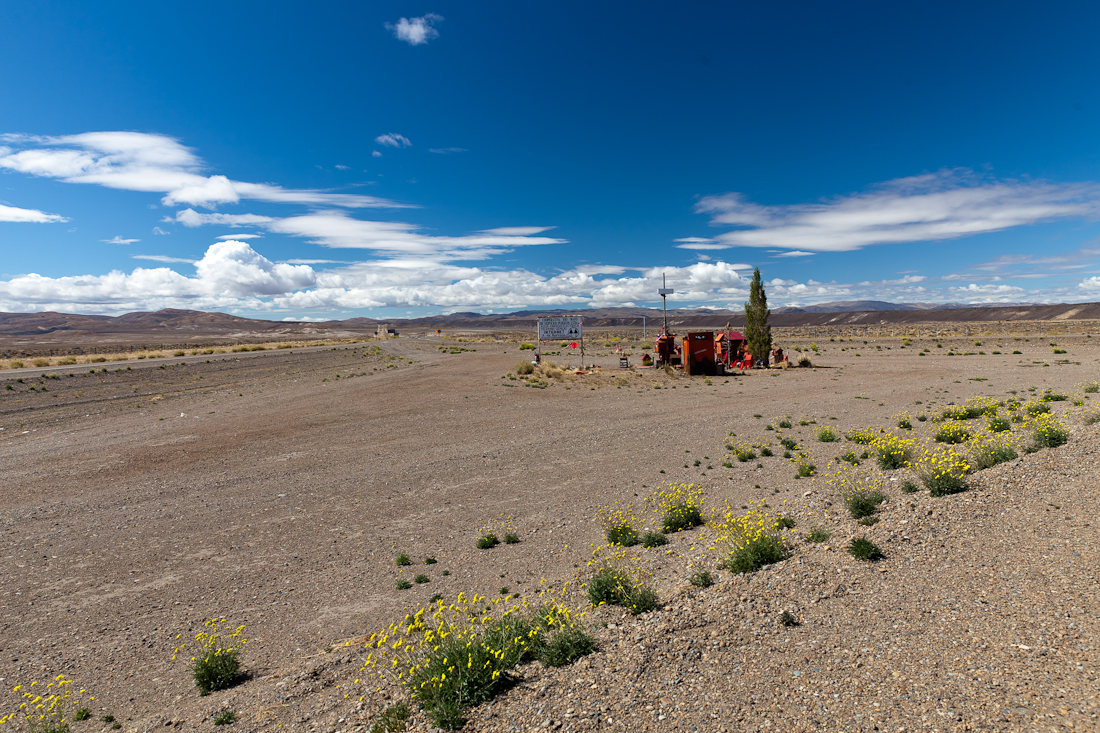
[[276, 489]]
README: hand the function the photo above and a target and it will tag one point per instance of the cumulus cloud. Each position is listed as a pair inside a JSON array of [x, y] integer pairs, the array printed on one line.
[[393, 140], [119, 240], [415, 31], [231, 275], [935, 206], [137, 161], [31, 216]]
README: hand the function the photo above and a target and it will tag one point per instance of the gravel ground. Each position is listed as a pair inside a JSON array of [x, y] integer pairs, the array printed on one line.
[[137, 503]]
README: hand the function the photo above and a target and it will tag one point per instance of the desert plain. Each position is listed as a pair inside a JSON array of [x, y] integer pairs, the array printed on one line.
[[276, 488]]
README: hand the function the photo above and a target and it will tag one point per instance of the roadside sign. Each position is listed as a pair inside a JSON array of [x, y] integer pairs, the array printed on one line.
[[563, 327]]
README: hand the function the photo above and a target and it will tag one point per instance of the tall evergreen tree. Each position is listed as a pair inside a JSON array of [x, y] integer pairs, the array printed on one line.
[[758, 334]]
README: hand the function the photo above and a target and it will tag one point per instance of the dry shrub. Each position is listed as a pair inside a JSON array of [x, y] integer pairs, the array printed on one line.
[[524, 367], [804, 361]]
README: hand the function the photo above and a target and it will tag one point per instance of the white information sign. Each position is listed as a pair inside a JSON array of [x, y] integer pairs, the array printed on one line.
[[564, 327]]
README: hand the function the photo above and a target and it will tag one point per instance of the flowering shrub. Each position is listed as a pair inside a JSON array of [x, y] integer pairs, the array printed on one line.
[[1048, 432], [863, 436], [451, 657], [892, 452], [215, 655], [47, 708], [859, 492], [1037, 407], [952, 433], [678, 506], [618, 522], [942, 470], [742, 450], [989, 449], [825, 434], [748, 541]]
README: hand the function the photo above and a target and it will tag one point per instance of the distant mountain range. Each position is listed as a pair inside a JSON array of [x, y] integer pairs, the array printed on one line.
[[187, 326]]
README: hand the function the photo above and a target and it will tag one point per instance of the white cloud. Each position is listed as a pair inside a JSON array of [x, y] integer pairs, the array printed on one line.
[[393, 140], [136, 161], [794, 253], [234, 268], [415, 31], [119, 240], [222, 237], [694, 240], [400, 240], [516, 231], [164, 258], [342, 167], [233, 276], [192, 218], [160, 232], [376, 154], [30, 216], [447, 151], [935, 206]]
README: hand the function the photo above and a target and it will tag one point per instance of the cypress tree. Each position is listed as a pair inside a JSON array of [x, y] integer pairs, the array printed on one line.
[[758, 334]]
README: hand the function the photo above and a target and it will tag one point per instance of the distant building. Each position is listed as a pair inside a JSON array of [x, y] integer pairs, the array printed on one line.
[[385, 332]]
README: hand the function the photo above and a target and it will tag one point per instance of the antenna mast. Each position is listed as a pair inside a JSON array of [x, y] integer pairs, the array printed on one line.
[[664, 292]]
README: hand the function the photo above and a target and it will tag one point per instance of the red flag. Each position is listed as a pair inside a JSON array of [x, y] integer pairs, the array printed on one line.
[[573, 345]]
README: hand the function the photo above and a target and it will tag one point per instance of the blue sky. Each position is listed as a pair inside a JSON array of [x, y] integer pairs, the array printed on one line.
[[330, 160]]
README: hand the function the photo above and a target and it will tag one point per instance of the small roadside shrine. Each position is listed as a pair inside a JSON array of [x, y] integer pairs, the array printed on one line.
[[561, 328]]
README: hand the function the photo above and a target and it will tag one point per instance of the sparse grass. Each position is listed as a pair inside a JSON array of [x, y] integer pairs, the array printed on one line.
[[805, 468], [789, 444], [870, 521], [850, 457], [654, 539], [511, 539], [818, 534], [909, 488], [999, 425], [430, 561], [225, 718], [420, 579], [702, 579], [862, 548], [784, 522], [863, 502], [392, 719], [82, 714], [523, 368], [403, 560], [788, 619], [825, 434], [402, 584]]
